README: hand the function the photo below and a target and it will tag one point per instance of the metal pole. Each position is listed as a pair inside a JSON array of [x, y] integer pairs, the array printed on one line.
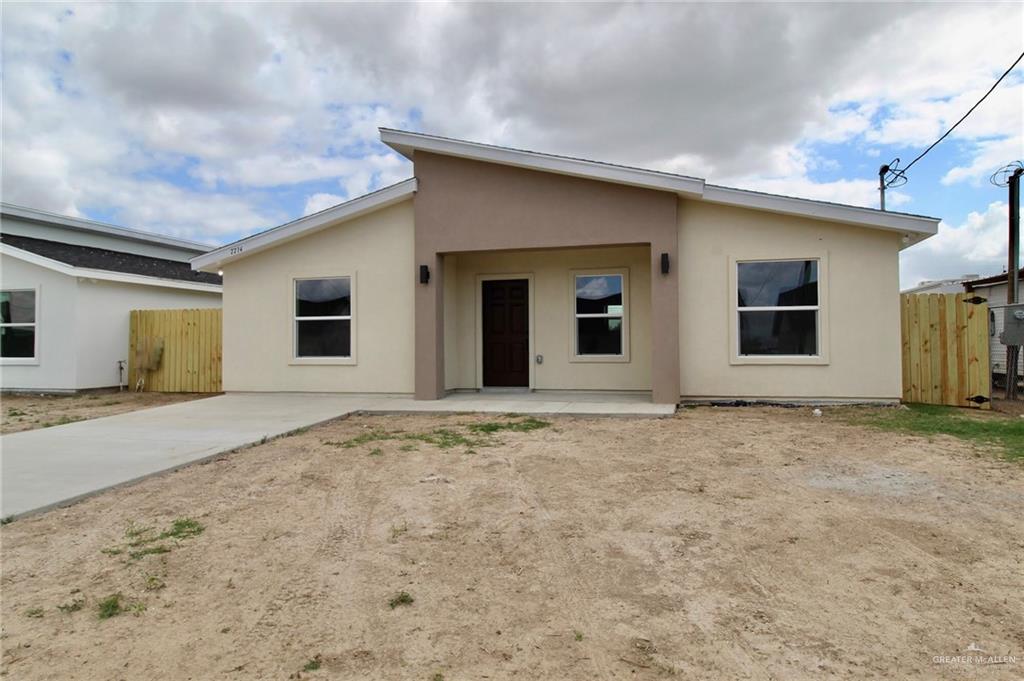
[[881, 185], [1013, 278], [1012, 290]]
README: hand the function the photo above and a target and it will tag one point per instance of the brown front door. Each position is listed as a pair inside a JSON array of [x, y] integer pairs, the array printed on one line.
[[506, 333]]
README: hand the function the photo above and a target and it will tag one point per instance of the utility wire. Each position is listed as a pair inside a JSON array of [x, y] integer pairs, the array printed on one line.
[[899, 173]]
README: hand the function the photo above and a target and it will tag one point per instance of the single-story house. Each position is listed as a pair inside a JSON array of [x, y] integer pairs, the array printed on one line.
[[993, 289], [67, 286], [496, 268]]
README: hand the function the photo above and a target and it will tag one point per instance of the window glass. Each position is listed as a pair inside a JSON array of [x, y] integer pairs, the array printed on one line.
[[324, 338], [323, 297], [777, 283], [599, 336], [323, 317], [599, 294], [18, 307], [780, 332], [17, 341]]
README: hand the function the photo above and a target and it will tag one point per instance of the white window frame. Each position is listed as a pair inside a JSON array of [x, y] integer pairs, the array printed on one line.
[[821, 309], [574, 355], [349, 359], [34, 359]]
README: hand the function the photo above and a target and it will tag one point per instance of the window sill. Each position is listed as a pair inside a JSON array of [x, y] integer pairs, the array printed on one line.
[[816, 360], [599, 359], [19, 361], [322, 361]]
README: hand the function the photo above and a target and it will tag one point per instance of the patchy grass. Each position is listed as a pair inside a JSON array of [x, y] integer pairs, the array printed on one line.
[[149, 551], [34, 613], [577, 634], [468, 436], [62, 421], [365, 438], [967, 424], [401, 598], [111, 606], [397, 531], [72, 606], [154, 583], [446, 438], [313, 664], [522, 426], [142, 541], [183, 528]]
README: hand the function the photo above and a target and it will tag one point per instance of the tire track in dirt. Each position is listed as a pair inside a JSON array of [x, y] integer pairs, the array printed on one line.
[[346, 503], [571, 588]]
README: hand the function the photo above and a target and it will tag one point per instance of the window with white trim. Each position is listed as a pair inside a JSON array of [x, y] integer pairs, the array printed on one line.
[[778, 306], [323, 317], [18, 324], [600, 314]]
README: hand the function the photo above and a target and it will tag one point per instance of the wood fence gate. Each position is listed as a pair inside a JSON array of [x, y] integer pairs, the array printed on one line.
[[175, 351], [945, 349]]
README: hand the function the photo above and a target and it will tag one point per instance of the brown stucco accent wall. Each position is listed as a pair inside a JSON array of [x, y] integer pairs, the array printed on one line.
[[463, 205]]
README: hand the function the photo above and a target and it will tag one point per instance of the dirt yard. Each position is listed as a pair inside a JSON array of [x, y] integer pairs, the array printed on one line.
[[27, 412], [748, 543]]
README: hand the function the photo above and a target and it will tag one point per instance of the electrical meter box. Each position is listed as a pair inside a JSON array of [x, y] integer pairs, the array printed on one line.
[[1013, 325]]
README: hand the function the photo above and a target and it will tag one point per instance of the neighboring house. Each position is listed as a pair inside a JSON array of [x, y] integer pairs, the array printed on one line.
[[993, 289], [499, 268], [942, 285], [68, 286]]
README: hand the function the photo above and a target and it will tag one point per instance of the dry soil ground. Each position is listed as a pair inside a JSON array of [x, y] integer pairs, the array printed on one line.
[[26, 412], [723, 543]]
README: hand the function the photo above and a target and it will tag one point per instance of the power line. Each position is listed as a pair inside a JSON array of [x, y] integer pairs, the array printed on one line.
[[900, 173]]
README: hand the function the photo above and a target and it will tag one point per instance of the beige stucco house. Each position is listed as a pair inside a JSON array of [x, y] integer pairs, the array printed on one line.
[[507, 269]]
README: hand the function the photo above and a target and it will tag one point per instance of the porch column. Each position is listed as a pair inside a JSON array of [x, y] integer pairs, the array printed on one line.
[[430, 328], [665, 321]]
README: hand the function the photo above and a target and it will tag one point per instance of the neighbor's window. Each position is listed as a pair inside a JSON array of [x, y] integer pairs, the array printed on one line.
[[777, 304], [18, 324], [323, 317], [599, 314]]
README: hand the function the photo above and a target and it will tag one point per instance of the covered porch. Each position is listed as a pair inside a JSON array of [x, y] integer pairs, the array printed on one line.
[[547, 237], [562, 319]]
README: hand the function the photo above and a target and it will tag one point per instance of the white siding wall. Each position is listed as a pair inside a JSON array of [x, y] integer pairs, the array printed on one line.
[[996, 295], [102, 316], [82, 326], [54, 365]]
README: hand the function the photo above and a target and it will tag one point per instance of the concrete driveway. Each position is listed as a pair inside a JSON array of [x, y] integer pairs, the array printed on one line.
[[55, 466], [51, 466]]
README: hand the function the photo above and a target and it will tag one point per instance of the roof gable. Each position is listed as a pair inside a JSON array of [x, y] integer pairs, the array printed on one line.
[[309, 224]]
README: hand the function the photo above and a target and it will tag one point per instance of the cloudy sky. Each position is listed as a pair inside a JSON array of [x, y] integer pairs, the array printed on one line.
[[212, 121]]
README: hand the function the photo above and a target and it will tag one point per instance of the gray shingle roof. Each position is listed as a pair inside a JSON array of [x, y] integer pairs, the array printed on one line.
[[112, 261]]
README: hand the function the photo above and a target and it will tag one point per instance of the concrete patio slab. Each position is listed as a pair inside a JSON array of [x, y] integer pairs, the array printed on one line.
[[55, 466]]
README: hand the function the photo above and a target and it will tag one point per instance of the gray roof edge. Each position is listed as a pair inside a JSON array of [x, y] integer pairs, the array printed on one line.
[[86, 225]]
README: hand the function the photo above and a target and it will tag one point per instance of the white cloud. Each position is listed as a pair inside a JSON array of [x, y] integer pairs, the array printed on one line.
[[991, 155], [978, 246], [219, 106], [321, 201]]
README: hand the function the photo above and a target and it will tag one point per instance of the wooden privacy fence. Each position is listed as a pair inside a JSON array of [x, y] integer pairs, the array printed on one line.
[[175, 351], [945, 349]]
